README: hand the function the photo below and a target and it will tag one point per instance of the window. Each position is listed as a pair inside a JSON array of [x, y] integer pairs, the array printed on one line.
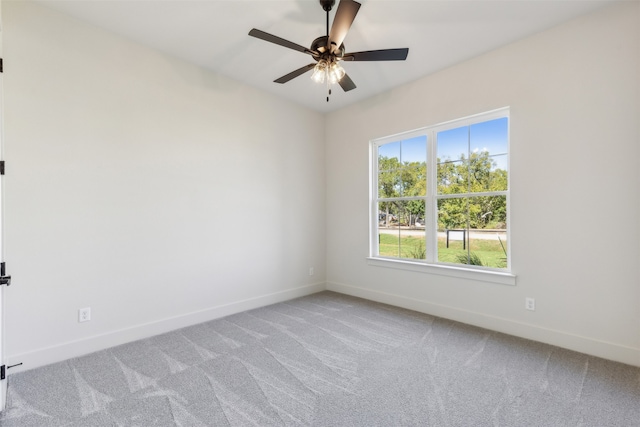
[[440, 195]]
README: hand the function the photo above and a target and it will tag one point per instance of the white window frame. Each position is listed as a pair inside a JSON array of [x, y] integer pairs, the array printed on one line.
[[431, 265]]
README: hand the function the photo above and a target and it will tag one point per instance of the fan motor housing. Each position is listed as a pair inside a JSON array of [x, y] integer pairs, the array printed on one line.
[[320, 45], [327, 4]]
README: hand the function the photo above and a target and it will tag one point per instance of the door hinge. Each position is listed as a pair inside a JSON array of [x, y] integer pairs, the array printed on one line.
[[1, 162], [1, 66], [3, 370], [4, 279]]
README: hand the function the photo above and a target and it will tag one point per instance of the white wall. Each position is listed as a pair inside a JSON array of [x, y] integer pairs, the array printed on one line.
[[575, 210], [150, 190]]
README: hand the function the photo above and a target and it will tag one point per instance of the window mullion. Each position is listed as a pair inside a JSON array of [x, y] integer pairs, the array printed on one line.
[[431, 217], [374, 247], [467, 235], [478, 194]]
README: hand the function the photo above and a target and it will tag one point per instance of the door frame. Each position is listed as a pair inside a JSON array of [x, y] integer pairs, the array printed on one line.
[[3, 382]]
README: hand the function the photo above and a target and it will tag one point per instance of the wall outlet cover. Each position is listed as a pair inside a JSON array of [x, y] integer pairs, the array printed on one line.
[[84, 314]]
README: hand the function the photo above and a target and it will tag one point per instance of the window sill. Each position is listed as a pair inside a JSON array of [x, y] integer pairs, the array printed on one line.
[[490, 276]]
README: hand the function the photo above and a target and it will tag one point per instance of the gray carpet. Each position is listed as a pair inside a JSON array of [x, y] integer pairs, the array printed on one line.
[[328, 360]]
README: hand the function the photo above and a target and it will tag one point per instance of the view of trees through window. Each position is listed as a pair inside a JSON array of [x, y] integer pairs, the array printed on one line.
[[460, 217]]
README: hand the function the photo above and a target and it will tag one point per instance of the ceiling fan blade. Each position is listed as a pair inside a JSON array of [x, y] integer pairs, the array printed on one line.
[[345, 14], [292, 75], [346, 83], [278, 40], [378, 55]]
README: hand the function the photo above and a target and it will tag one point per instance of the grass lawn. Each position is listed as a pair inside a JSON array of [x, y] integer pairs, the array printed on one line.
[[489, 251]]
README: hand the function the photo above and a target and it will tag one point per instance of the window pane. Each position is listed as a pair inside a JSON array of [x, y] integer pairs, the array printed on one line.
[[452, 230], [414, 162], [487, 236], [500, 162], [491, 136], [452, 177], [401, 229], [482, 172], [488, 247], [498, 180], [414, 180], [488, 212], [411, 237], [390, 183], [453, 144], [453, 171], [389, 243], [388, 231], [472, 231], [488, 158], [414, 150], [452, 214], [389, 156], [414, 214], [412, 244]]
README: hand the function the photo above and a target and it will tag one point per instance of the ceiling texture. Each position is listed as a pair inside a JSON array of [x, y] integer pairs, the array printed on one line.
[[214, 34]]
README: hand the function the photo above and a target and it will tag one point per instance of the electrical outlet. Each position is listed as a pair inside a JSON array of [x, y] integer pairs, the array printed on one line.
[[530, 303], [84, 314], [310, 271]]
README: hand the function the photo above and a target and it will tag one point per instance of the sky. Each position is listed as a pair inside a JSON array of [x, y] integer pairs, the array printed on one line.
[[491, 136], [407, 150]]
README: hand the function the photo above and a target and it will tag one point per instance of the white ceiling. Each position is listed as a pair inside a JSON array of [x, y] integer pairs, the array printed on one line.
[[213, 34]]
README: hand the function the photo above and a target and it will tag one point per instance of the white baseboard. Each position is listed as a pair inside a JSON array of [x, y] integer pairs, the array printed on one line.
[[67, 350], [603, 349]]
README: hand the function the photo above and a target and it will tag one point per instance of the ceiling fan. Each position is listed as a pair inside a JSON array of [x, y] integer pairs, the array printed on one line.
[[329, 50]]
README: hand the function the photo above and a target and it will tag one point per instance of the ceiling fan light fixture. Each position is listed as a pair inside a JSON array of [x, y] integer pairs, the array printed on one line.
[[332, 72], [335, 72], [320, 71]]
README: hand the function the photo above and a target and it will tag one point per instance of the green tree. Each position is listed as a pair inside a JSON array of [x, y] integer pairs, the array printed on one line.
[[405, 179], [475, 174], [389, 185]]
